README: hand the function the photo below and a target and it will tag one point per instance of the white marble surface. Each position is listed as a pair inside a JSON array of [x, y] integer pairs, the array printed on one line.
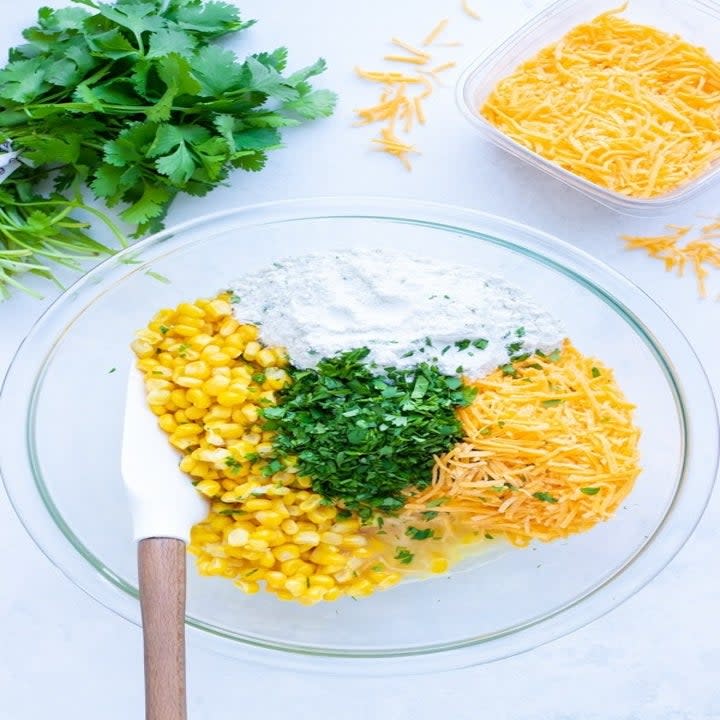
[[654, 658]]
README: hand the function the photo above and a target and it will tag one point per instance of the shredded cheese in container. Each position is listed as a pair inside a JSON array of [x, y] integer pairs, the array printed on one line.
[[625, 106]]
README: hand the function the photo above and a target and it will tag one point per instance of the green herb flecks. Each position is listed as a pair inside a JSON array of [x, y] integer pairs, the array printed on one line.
[[419, 534], [552, 403], [590, 490], [403, 555], [365, 438], [545, 497]]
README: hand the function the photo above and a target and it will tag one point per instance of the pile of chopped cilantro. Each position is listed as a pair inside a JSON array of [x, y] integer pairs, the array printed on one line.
[[366, 437]]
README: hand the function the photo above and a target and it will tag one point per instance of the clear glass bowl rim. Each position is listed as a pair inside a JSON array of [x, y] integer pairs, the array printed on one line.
[[695, 404]]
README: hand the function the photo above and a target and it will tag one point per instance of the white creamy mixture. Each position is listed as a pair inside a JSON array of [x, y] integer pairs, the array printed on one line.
[[405, 309]]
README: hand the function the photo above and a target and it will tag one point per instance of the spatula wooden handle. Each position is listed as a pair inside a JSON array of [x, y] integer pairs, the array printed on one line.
[[161, 568]]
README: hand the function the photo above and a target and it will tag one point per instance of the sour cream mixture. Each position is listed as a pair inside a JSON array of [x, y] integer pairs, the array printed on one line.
[[405, 309]]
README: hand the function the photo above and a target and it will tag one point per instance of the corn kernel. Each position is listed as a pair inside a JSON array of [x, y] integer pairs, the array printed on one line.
[[438, 565], [257, 545], [188, 382], [286, 552], [249, 412], [142, 348], [217, 309], [255, 504], [331, 538], [208, 487], [269, 518], [248, 586], [265, 358], [216, 384], [307, 537], [167, 423], [195, 413], [251, 350], [323, 581], [354, 541], [296, 585], [289, 527], [228, 398]]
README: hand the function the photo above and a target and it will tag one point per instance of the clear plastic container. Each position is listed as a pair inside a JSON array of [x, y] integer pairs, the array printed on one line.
[[697, 21]]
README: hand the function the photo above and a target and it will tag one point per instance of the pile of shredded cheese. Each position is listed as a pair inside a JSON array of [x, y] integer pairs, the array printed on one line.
[[623, 105], [398, 106], [550, 451], [700, 253]]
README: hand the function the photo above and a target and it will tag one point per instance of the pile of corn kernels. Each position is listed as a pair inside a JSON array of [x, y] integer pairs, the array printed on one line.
[[207, 378]]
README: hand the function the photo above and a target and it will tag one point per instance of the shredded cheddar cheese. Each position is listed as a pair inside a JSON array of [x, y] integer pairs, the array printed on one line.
[[549, 451], [468, 10], [700, 253], [625, 106], [436, 32], [397, 107]]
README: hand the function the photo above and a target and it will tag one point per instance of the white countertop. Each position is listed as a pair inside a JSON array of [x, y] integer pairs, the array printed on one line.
[[655, 658]]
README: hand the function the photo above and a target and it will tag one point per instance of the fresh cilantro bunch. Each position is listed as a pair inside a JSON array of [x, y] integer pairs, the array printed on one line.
[[134, 99], [365, 439]]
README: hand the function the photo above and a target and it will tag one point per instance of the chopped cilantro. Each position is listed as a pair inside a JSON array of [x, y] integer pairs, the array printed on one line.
[[417, 534], [488, 536], [437, 502], [552, 403], [232, 463], [365, 437], [545, 497], [554, 356], [429, 514], [595, 372], [258, 377], [480, 343], [590, 490], [404, 555], [462, 344], [520, 332], [164, 329]]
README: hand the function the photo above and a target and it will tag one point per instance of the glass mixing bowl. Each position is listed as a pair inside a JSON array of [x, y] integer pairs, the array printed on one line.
[[63, 401]]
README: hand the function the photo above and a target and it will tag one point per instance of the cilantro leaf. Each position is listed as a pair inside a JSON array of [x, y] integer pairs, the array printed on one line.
[[545, 497], [320, 103]]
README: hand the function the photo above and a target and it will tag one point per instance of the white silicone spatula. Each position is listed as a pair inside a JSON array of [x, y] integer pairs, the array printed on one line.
[[164, 507]]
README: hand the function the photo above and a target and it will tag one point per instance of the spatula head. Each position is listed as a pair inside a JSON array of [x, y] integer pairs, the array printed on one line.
[[163, 501]]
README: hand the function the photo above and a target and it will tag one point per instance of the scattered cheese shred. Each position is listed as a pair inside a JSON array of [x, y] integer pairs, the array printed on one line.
[[443, 67], [700, 253], [435, 33], [548, 452], [391, 144], [414, 59], [396, 106], [470, 11], [410, 48], [625, 106]]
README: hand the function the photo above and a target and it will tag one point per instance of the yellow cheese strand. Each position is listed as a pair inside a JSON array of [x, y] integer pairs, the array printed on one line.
[[625, 106]]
